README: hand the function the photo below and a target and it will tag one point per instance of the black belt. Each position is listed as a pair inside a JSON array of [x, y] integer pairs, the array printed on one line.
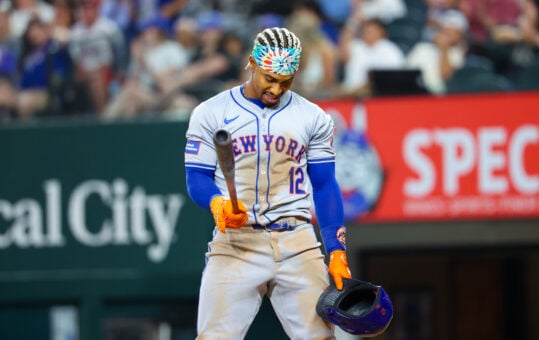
[[282, 224]]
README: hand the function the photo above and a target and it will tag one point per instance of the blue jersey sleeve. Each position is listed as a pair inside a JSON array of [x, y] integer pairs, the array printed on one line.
[[201, 186], [328, 204]]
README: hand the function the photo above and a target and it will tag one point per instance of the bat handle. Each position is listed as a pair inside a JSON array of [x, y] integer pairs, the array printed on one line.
[[235, 207], [234, 199]]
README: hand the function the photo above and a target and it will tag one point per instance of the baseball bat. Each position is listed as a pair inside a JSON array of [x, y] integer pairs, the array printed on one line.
[[223, 147]]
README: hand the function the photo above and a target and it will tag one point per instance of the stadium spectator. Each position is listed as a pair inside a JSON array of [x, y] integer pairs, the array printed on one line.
[[130, 15], [64, 94], [156, 59], [149, 9], [98, 49], [522, 40], [319, 65], [211, 29], [43, 66], [124, 14], [325, 25], [484, 15], [435, 11], [525, 31], [171, 9], [64, 19], [8, 66], [446, 52], [233, 48], [336, 10], [384, 10], [23, 10], [146, 10], [485, 18], [212, 66], [185, 33], [372, 50], [214, 47], [268, 20]]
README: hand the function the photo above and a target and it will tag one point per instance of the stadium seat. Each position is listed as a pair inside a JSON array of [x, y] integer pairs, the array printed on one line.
[[405, 32], [477, 78], [528, 77]]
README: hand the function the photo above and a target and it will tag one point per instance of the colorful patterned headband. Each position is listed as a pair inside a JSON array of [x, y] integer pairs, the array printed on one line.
[[279, 60]]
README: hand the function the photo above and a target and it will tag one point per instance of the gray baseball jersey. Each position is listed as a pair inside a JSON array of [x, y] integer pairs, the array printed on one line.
[[272, 147]]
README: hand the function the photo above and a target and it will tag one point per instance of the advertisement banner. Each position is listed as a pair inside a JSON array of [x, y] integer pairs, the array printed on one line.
[[97, 198], [439, 158]]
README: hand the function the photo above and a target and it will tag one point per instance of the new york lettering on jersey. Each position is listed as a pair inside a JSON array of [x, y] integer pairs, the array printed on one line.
[[289, 146]]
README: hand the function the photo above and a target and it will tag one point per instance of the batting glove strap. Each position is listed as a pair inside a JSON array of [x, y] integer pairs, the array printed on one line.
[[338, 268], [224, 215]]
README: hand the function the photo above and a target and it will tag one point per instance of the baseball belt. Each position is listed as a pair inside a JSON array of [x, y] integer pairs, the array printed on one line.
[[283, 224]]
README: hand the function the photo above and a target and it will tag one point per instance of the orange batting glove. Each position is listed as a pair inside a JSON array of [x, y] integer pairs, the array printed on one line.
[[224, 216], [338, 267]]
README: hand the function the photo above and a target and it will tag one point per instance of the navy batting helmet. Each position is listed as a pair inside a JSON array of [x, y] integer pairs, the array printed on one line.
[[360, 308]]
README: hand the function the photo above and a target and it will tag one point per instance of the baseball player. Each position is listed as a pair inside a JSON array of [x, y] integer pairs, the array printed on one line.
[[282, 144]]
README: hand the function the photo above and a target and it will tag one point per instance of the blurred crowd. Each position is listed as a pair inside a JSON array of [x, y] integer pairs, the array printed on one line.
[[129, 58]]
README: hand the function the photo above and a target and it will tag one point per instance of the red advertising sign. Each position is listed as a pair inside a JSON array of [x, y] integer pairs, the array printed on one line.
[[444, 158]]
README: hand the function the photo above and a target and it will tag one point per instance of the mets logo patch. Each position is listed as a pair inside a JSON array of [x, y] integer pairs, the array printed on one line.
[[192, 147]]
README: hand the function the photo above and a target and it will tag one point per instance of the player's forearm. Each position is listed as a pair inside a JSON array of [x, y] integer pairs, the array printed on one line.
[[200, 186], [329, 212], [329, 205]]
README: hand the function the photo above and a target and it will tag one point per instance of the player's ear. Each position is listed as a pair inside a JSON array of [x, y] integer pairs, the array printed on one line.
[[250, 63]]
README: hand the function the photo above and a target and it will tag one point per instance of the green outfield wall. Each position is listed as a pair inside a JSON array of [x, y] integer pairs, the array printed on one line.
[[95, 215]]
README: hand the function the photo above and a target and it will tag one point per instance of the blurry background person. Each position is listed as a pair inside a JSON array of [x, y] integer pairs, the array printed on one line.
[[384, 10], [65, 96], [439, 58], [130, 15], [64, 19], [521, 40], [9, 49], [372, 50], [211, 29], [526, 28], [232, 46], [98, 49], [435, 11], [124, 14], [218, 61], [319, 65], [156, 58], [484, 17], [170, 10], [185, 33], [23, 10], [43, 66], [336, 10]]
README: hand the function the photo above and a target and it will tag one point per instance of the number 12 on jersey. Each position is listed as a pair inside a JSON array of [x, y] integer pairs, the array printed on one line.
[[297, 178]]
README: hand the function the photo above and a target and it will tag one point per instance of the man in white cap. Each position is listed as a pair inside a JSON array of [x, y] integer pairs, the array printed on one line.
[[439, 58]]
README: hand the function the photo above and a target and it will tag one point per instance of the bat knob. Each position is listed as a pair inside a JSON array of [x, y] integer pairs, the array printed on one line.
[[221, 136]]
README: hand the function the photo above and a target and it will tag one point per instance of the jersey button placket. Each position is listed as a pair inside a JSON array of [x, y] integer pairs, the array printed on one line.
[[262, 166]]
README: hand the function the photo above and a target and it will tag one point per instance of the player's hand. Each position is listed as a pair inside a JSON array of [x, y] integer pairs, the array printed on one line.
[[338, 267], [224, 215]]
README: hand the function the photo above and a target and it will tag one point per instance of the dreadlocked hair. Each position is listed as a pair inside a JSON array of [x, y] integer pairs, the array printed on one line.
[[277, 37]]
